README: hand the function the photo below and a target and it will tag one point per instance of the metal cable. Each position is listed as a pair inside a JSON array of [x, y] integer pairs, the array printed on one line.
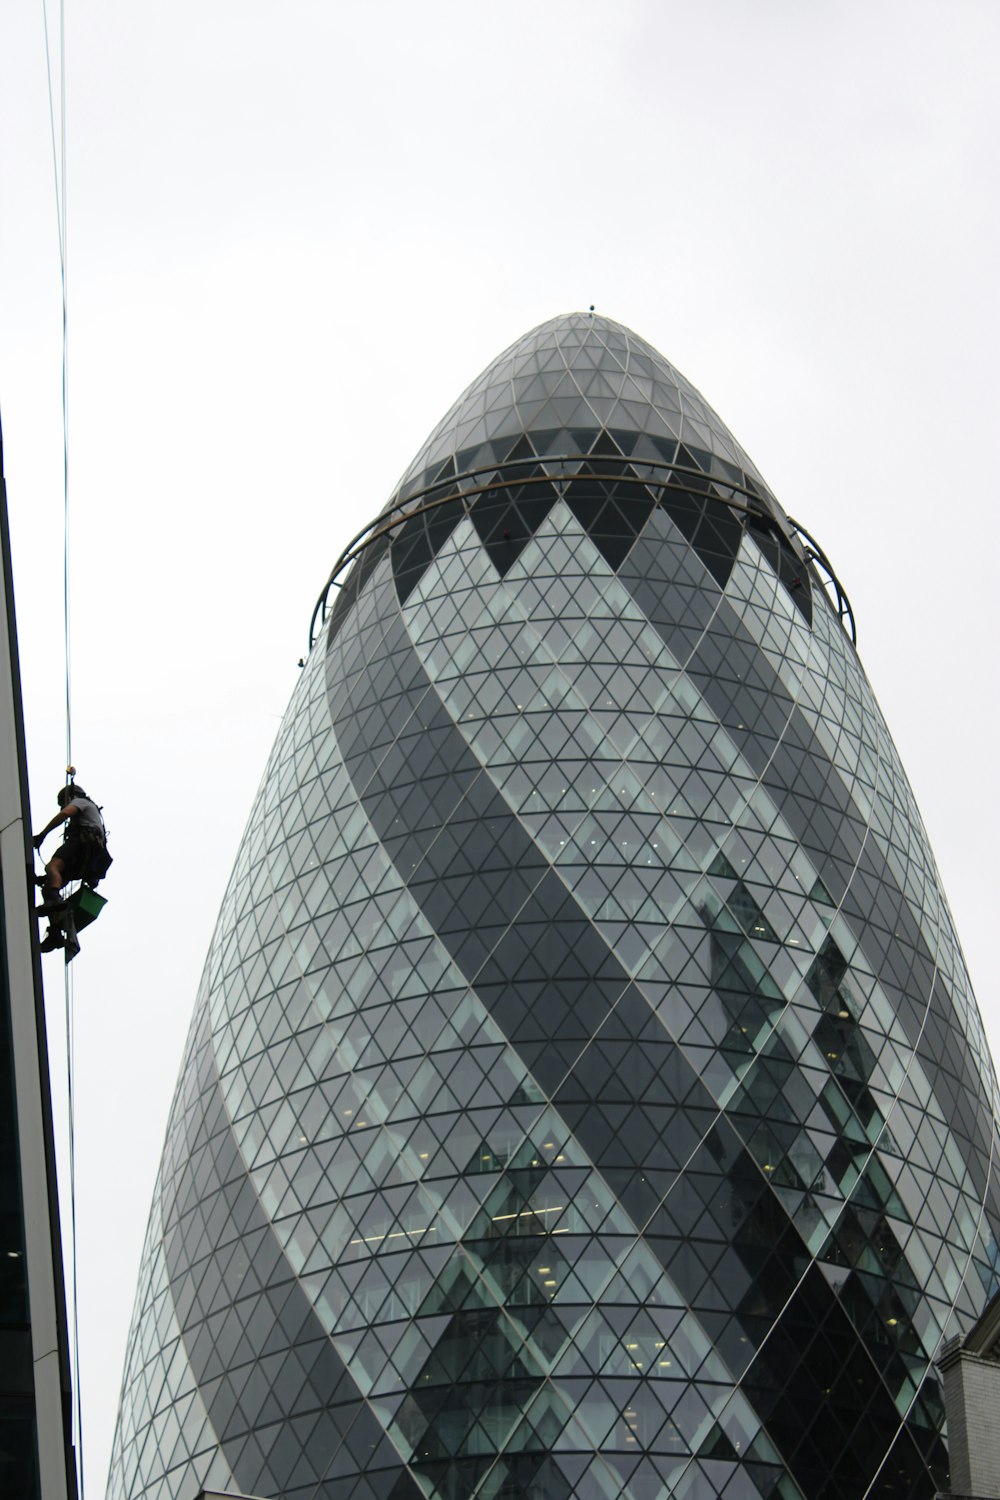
[[59, 174]]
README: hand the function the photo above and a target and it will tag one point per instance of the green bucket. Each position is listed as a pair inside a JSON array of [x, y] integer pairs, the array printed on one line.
[[86, 906]]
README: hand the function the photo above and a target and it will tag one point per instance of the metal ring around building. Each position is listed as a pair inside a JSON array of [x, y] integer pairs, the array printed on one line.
[[375, 530]]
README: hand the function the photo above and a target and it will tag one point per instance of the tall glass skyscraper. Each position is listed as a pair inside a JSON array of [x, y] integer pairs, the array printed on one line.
[[585, 1096]]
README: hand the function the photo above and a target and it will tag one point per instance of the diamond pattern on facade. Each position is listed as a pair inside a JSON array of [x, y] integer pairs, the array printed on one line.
[[585, 1097]]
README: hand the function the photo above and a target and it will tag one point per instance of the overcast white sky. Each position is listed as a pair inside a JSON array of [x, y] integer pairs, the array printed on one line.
[[296, 231]]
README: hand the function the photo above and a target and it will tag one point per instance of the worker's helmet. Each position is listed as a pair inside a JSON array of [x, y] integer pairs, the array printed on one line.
[[67, 793]]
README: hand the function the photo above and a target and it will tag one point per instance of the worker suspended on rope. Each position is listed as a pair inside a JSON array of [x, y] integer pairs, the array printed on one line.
[[83, 855]]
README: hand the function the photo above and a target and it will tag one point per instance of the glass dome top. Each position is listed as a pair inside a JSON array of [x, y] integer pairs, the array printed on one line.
[[576, 380]]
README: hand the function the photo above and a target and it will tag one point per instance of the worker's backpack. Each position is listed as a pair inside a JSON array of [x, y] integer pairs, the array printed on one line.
[[97, 861]]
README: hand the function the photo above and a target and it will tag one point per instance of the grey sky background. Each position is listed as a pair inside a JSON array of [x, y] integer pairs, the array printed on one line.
[[296, 231]]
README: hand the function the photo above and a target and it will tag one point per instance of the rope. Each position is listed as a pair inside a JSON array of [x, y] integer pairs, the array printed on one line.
[[63, 227], [59, 173]]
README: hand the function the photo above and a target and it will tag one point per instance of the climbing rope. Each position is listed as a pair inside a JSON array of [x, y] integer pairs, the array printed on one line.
[[59, 173]]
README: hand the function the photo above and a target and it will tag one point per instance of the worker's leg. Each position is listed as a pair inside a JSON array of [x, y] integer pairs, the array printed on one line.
[[55, 876]]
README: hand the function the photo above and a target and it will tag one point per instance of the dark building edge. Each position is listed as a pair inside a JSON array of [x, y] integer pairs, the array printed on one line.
[[45, 1382]]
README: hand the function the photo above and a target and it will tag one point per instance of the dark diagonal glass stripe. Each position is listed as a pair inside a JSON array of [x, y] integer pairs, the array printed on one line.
[[247, 1324], [754, 706], [537, 962]]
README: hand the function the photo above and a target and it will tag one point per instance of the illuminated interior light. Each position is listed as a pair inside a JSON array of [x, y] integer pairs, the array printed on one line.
[[395, 1234], [528, 1213]]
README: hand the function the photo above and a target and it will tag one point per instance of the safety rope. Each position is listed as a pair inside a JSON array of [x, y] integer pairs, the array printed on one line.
[[59, 172]]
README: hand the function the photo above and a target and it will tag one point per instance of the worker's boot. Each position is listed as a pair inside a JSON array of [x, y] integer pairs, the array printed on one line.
[[53, 939]]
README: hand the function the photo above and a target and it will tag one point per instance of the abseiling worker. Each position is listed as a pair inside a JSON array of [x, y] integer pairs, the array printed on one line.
[[83, 854]]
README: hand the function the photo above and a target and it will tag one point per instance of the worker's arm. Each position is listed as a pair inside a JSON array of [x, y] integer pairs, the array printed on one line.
[[60, 817]]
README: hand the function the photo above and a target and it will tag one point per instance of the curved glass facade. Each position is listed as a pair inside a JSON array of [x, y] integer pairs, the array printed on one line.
[[585, 1096]]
